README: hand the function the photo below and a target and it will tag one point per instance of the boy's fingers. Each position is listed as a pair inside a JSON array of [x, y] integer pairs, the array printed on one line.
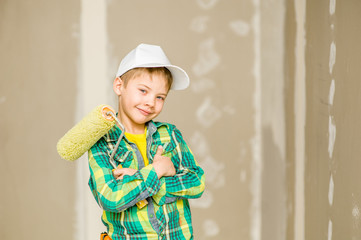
[[119, 175], [118, 171], [159, 150]]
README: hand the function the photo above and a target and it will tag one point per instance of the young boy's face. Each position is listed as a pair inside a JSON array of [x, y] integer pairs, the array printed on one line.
[[141, 100]]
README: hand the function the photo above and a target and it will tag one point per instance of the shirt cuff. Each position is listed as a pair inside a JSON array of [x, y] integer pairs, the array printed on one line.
[[160, 196], [150, 177]]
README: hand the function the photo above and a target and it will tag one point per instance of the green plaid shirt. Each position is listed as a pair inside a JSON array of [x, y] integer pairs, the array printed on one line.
[[167, 214]]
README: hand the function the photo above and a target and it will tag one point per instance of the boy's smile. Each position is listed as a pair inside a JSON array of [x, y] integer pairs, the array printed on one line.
[[140, 100]]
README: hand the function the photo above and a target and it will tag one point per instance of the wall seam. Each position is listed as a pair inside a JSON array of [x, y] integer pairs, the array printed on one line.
[[300, 119], [91, 92], [257, 166]]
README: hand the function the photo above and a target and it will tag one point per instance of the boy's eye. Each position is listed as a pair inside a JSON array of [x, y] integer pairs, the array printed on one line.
[[161, 98], [142, 91]]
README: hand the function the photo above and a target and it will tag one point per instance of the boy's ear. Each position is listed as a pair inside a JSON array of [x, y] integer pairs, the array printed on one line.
[[117, 85]]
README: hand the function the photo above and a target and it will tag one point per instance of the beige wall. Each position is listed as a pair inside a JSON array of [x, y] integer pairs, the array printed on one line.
[[39, 58], [213, 112], [333, 60], [290, 44], [323, 97], [272, 82]]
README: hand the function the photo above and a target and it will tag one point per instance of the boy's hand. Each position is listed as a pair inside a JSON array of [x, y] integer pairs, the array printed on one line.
[[119, 173], [163, 165]]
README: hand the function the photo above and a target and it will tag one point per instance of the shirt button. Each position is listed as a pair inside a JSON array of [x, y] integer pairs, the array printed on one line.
[[151, 215]]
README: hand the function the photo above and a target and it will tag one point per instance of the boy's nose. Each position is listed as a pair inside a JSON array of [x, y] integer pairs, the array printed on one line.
[[150, 102]]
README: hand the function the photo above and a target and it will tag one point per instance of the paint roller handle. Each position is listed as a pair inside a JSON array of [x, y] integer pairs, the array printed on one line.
[[125, 171], [110, 114]]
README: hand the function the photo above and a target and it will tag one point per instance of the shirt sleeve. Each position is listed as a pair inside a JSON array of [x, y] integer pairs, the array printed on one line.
[[189, 181], [117, 195]]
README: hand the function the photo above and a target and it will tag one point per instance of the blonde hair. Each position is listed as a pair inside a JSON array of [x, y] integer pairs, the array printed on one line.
[[135, 72]]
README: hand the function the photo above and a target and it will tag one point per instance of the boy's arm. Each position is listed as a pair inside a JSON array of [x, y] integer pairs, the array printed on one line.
[[189, 180], [117, 195]]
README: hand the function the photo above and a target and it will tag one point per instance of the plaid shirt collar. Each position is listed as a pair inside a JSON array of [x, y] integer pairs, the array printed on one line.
[[114, 133]]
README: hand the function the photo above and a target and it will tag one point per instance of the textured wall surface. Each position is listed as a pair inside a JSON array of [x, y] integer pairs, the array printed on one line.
[[38, 62], [272, 113], [214, 41], [62, 62], [333, 73]]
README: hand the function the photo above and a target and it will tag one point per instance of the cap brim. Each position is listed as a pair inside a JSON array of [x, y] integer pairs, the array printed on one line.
[[180, 78]]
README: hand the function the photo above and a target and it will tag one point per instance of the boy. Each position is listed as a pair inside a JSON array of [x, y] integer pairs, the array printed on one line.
[[146, 196]]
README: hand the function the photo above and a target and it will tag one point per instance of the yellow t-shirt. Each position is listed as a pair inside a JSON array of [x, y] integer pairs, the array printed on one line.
[[141, 141]]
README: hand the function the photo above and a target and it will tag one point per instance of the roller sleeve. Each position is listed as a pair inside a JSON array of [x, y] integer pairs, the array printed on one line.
[[86, 133]]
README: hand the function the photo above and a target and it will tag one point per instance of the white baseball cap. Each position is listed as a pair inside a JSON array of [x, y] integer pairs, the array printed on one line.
[[147, 56]]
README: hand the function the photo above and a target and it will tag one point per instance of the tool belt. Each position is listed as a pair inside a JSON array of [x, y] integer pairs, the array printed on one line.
[[104, 236]]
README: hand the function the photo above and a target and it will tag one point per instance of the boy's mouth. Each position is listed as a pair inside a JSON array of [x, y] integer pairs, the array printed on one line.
[[144, 112]]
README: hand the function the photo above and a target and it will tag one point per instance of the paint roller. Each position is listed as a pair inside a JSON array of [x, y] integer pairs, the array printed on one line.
[[87, 132]]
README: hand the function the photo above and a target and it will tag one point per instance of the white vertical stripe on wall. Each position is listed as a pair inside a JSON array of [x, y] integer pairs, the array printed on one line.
[[92, 91], [300, 118], [256, 182]]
